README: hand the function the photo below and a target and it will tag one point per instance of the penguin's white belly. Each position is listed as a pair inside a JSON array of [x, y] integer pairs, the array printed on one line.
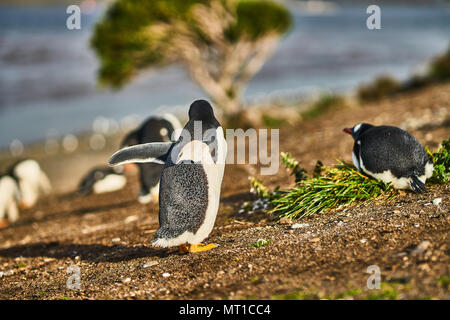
[[110, 183], [355, 161], [398, 183], [8, 194], [214, 173]]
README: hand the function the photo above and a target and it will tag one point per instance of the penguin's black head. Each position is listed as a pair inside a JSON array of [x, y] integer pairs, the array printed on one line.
[[201, 110], [357, 130]]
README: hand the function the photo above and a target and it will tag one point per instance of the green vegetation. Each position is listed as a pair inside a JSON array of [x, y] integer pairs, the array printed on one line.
[[272, 122], [335, 188], [332, 188], [324, 103], [260, 243], [441, 161], [438, 71], [293, 165], [223, 43], [382, 86], [294, 295], [444, 281], [387, 292]]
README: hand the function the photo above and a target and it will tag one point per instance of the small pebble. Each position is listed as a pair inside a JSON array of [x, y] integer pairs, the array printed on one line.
[[166, 274], [437, 202], [424, 245], [299, 225], [150, 264]]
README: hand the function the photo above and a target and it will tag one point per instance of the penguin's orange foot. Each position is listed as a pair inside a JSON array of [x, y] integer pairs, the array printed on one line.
[[155, 198], [201, 247], [184, 248], [3, 223]]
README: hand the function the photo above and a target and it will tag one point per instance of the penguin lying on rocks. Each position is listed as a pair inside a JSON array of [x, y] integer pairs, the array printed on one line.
[[102, 179], [32, 181], [9, 197], [154, 129], [189, 192], [391, 155]]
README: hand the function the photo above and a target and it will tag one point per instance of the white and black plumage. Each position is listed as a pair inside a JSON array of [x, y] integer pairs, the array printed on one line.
[[102, 179], [154, 129], [32, 181], [190, 184], [391, 155], [9, 197]]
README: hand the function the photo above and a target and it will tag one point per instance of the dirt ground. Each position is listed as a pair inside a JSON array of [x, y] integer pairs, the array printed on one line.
[[108, 237]]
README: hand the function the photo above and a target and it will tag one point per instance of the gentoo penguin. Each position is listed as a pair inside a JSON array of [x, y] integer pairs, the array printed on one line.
[[102, 179], [191, 179], [390, 154], [154, 129], [9, 197], [32, 181]]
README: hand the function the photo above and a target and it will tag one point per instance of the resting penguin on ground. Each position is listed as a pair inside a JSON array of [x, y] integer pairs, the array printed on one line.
[[32, 181], [102, 179], [155, 129], [190, 181], [9, 196], [390, 154]]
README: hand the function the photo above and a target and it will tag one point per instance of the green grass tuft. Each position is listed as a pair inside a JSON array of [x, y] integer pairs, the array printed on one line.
[[291, 163], [336, 187], [441, 161], [260, 243]]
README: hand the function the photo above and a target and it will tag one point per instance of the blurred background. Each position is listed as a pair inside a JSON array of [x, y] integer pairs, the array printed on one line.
[[48, 74]]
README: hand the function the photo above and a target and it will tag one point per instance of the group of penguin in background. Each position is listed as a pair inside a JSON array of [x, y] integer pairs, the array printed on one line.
[[20, 188], [183, 170]]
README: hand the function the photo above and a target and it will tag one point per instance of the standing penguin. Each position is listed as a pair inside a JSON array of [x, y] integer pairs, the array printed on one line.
[[390, 154], [154, 129], [102, 179], [32, 181], [190, 181], [9, 196]]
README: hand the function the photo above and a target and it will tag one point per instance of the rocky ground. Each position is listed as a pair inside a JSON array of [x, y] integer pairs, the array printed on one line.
[[108, 237]]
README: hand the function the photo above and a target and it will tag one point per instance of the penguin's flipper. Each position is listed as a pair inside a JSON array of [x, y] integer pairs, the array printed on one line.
[[155, 152], [416, 185]]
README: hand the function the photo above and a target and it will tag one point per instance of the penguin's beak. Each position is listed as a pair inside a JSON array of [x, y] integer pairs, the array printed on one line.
[[348, 130]]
